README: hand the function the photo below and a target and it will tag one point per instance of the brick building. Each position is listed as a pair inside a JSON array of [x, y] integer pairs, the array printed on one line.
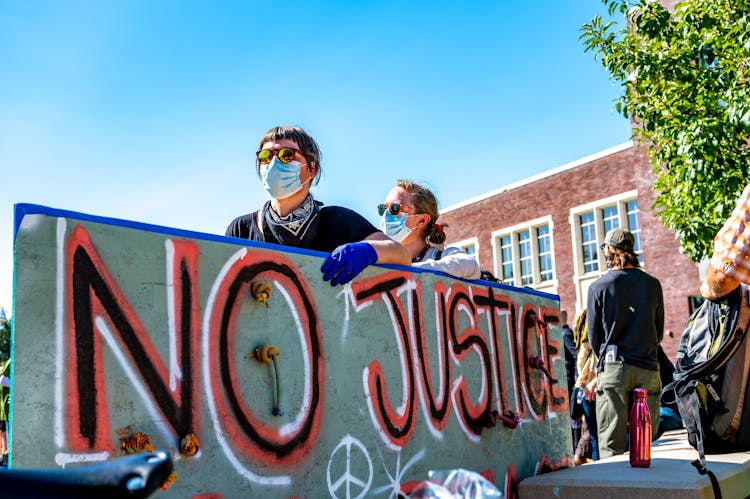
[[544, 232]]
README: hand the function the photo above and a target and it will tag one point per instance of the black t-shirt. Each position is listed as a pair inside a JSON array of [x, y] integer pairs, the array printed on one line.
[[626, 308], [338, 226]]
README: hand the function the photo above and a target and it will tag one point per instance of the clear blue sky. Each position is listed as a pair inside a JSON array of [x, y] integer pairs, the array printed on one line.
[[151, 110]]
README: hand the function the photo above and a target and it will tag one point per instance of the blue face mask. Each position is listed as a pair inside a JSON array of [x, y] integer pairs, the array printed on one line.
[[281, 180], [394, 226]]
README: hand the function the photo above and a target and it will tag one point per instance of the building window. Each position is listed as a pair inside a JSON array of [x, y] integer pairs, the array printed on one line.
[[506, 255], [524, 254], [524, 251], [634, 225], [588, 241], [610, 218], [594, 220], [470, 249], [545, 252]]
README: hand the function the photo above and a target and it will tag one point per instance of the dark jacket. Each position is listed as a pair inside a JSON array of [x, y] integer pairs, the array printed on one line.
[[626, 308]]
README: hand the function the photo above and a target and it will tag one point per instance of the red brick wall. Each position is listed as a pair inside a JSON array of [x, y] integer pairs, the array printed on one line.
[[554, 196]]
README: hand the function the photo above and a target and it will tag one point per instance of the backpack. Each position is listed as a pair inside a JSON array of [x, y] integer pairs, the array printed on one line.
[[711, 377], [486, 275]]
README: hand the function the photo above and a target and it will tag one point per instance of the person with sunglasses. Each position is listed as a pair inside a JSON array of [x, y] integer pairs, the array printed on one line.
[[288, 162], [409, 216]]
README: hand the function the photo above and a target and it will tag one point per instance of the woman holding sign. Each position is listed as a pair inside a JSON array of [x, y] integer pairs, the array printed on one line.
[[288, 162]]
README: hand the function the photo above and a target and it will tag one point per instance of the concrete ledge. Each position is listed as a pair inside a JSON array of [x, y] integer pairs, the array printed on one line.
[[670, 476]]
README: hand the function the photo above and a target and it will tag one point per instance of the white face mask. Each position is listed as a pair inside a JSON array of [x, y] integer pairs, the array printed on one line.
[[281, 180], [394, 226]]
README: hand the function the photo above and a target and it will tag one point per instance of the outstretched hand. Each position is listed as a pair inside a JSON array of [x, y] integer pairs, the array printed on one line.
[[347, 261]]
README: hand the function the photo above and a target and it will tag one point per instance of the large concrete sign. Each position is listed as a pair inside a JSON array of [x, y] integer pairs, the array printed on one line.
[[261, 378]]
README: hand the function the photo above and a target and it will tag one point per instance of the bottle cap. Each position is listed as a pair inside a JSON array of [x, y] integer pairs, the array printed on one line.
[[640, 393]]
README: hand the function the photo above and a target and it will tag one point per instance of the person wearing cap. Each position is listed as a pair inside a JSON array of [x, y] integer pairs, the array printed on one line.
[[288, 162], [409, 216], [625, 312]]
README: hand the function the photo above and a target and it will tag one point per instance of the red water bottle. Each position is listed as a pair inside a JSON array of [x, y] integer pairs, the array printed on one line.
[[640, 431]]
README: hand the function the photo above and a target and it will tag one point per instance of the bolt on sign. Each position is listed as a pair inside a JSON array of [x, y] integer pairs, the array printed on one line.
[[260, 378]]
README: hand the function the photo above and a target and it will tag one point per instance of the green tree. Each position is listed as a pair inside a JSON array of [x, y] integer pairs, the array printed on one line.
[[685, 78], [4, 336]]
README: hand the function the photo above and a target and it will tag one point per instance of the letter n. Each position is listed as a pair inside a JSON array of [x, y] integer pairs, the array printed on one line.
[[95, 304]]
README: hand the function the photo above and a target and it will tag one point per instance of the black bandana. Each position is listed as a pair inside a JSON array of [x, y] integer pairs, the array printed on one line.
[[296, 229]]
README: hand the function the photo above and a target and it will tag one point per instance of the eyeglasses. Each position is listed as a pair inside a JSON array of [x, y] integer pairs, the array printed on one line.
[[393, 208], [285, 155]]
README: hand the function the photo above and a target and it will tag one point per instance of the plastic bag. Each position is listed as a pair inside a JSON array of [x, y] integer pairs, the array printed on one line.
[[455, 484]]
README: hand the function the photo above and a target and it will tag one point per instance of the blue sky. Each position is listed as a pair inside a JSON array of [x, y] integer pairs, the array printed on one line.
[[151, 110]]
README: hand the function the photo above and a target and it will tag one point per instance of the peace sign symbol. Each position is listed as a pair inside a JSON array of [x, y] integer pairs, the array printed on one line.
[[344, 461]]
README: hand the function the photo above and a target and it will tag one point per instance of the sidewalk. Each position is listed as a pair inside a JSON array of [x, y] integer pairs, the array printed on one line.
[[670, 476]]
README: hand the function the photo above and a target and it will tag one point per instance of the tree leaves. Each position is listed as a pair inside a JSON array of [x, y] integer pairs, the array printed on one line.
[[684, 77], [4, 336]]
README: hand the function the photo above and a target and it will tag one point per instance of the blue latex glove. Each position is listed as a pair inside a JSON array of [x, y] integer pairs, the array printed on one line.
[[347, 261]]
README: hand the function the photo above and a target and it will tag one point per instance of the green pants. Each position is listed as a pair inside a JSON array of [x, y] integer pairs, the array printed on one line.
[[614, 398]]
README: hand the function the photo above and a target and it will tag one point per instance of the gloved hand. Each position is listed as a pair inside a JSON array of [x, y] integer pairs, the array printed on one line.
[[347, 261]]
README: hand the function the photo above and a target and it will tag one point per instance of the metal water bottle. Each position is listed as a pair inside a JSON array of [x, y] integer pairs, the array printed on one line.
[[640, 431]]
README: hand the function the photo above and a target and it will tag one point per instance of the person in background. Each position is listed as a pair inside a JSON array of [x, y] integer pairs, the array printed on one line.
[[570, 351], [625, 319], [585, 384], [288, 162], [4, 411], [570, 371], [409, 216]]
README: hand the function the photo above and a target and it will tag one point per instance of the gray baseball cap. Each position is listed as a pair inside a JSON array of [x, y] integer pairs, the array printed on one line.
[[621, 239]]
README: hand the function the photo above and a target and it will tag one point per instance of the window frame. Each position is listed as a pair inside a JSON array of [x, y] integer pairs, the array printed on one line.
[[530, 226], [581, 276]]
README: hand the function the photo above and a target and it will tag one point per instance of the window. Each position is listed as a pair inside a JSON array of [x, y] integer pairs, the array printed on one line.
[[589, 223], [506, 252], [524, 254], [634, 225], [588, 241], [524, 250], [610, 218], [545, 252], [593, 221]]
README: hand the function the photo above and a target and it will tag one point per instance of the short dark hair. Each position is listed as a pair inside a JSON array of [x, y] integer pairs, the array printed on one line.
[[307, 145]]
